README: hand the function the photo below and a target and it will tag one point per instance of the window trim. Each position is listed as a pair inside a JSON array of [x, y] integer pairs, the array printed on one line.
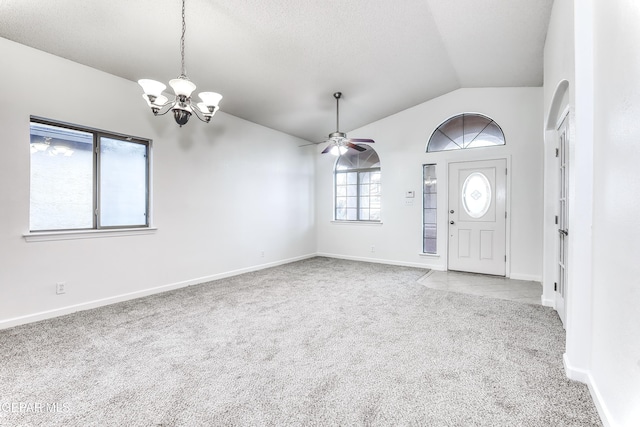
[[97, 230], [47, 236]]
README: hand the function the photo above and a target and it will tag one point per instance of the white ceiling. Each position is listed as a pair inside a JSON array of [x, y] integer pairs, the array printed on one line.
[[278, 62]]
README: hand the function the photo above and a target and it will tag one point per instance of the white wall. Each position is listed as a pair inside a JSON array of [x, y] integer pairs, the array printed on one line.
[[603, 343], [222, 193], [401, 141], [616, 233], [569, 63]]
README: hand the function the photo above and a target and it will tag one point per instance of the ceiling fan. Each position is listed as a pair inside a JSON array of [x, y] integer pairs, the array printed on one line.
[[338, 141]]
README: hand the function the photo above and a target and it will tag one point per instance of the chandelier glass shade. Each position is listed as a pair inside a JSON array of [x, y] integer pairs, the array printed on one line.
[[182, 105]]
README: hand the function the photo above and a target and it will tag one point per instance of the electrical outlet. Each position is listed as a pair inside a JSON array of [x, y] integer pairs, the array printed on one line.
[[61, 288], [261, 254], [373, 248]]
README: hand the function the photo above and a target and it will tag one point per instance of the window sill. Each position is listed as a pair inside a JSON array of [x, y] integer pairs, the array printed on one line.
[[46, 236], [429, 255], [364, 223]]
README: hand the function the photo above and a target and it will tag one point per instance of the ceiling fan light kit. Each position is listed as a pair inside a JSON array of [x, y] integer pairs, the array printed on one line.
[[182, 105], [339, 144]]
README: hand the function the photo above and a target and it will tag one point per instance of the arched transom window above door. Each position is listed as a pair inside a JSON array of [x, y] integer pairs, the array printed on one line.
[[468, 130]]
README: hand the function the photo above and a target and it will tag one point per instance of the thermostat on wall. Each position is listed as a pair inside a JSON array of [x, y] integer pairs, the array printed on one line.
[[410, 194]]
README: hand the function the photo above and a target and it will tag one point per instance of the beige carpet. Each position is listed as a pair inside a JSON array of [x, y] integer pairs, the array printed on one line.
[[317, 342]]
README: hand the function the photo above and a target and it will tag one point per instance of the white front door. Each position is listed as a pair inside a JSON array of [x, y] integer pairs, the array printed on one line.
[[477, 212], [563, 220]]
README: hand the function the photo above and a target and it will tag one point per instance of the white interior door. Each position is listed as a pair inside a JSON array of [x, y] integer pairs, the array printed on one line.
[[563, 220], [477, 216]]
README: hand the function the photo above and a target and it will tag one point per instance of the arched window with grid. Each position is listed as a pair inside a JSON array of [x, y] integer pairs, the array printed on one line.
[[357, 186], [468, 130]]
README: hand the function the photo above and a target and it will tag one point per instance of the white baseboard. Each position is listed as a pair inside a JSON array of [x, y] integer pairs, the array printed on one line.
[[528, 277], [382, 261], [43, 315], [548, 302], [584, 376]]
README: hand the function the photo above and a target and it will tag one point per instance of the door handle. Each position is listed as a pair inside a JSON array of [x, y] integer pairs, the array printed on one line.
[[451, 222], [565, 232], [451, 211]]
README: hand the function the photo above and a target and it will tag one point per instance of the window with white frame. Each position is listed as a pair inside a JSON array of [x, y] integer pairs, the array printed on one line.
[[429, 209], [357, 186], [84, 179], [464, 131]]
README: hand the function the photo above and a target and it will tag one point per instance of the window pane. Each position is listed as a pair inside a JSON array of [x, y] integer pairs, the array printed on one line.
[[374, 202], [429, 231], [352, 178], [473, 125], [352, 202], [364, 202], [364, 214], [430, 200], [341, 178], [374, 214], [352, 190], [476, 195], [341, 214], [440, 142], [61, 194], [352, 214], [429, 216], [123, 183], [364, 177], [341, 191], [491, 135], [430, 246]]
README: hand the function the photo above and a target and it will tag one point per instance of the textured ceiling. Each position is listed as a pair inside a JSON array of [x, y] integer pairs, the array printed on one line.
[[278, 62]]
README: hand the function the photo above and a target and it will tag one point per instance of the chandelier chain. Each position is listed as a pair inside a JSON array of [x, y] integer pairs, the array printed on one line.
[[184, 29]]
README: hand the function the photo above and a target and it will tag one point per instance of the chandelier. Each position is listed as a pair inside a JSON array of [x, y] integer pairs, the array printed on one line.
[[182, 105]]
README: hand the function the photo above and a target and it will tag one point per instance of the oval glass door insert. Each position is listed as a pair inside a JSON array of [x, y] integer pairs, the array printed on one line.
[[476, 195]]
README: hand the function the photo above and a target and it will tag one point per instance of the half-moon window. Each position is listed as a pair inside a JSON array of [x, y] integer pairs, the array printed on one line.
[[468, 130]]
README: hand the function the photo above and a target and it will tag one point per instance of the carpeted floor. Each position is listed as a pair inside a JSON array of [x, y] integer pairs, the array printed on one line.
[[316, 342]]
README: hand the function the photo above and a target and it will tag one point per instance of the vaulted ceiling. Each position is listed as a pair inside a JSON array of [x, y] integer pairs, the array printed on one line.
[[278, 62]]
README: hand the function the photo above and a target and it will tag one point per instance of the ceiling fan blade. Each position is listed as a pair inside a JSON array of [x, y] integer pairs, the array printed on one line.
[[355, 147], [326, 150], [361, 140]]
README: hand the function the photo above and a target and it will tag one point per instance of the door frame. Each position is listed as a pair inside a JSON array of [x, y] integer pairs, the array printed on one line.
[[475, 158]]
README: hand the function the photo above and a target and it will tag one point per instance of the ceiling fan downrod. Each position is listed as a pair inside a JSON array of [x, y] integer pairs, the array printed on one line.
[[337, 96]]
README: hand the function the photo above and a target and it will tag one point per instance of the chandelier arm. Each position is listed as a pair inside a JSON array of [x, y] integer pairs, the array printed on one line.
[[165, 108], [196, 111]]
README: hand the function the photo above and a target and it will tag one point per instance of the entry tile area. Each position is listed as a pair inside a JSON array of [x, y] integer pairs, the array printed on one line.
[[479, 284]]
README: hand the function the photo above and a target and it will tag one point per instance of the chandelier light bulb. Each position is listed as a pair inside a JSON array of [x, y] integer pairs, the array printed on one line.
[[152, 87], [182, 86]]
